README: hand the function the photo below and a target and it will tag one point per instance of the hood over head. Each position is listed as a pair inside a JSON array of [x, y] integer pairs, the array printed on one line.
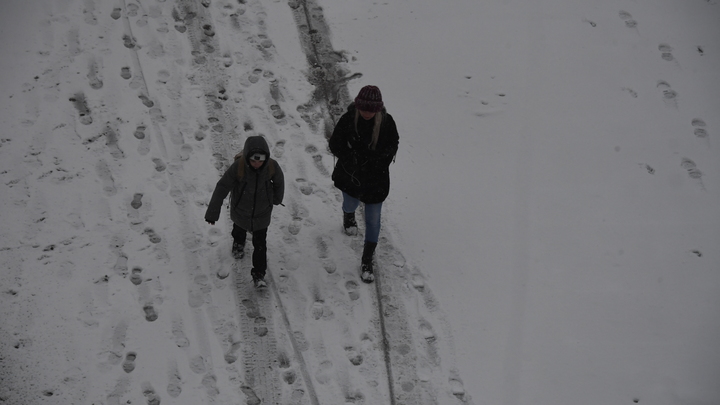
[[255, 144]]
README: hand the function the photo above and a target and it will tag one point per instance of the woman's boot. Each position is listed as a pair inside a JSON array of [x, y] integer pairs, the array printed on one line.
[[367, 262], [349, 223]]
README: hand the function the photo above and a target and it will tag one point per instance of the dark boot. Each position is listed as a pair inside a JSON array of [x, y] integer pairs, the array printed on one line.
[[367, 262], [349, 223], [258, 278], [238, 250]]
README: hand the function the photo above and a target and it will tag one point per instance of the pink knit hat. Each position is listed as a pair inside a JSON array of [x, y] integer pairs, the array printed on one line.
[[369, 99]]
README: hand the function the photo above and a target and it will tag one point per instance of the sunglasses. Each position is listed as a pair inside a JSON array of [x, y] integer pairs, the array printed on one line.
[[258, 157]]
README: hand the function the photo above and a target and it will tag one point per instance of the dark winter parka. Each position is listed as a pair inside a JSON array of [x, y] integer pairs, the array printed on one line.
[[363, 172], [253, 195]]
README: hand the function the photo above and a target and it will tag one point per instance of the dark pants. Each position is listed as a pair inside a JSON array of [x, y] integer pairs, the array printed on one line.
[[259, 240]]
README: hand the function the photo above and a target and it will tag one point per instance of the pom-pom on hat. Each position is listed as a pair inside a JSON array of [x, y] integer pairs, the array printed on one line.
[[369, 99]]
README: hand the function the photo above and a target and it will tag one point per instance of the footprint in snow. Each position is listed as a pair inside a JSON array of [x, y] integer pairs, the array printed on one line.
[[352, 287], [279, 149], [152, 236], [132, 10], [669, 95], [116, 13], [305, 188], [260, 329], [81, 106], [666, 52], [150, 395], [197, 364], [324, 374], [122, 387], [317, 309], [142, 21], [295, 226], [457, 388], [691, 167], [252, 398], [135, 276], [111, 141], [251, 308], [317, 159], [627, 17], [119, 336], [138, 212], [116, 245], [231, 356], [156, 115], [289, 377], [227, 60], [93, 72], [178, 333], [302, 343], [329, 266], [159, 165], [136, 201], [136, 82], [208, 30], [254, 76], [105, 175], [283, 360], [322, 247], [278, 114], [139, 132], [700, 130], [146, 101], [163, 76], [129, 364], [355, 358], [174, 388], [128, 41], [150, 312], [209, 381], [630, 91], [185, 152]]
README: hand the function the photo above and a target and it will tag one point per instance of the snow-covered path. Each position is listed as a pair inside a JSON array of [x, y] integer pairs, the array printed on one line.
[[137, 110], [550, 237]]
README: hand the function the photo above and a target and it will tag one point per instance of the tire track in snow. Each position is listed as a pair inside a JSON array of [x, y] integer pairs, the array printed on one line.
[[260, 352], [408, 381]]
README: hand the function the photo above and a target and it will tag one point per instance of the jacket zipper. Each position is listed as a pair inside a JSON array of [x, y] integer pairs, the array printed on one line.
[[252, 217]]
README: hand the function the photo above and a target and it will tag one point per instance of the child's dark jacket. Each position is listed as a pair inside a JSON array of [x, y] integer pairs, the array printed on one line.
[[252, 196]]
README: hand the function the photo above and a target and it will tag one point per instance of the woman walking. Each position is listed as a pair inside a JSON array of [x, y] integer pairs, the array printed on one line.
[[364, 141]]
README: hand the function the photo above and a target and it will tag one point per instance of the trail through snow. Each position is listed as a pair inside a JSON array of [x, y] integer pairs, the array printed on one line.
[[150, 101]]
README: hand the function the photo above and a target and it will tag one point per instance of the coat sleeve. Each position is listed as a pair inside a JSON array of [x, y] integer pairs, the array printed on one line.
[[339, 145], [278, 183], [222, 189]]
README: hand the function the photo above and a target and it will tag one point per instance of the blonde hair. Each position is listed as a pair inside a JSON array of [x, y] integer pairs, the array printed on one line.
[[376, 128]]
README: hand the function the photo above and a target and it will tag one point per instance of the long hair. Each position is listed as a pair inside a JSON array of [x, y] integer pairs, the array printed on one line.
[[376, 128]]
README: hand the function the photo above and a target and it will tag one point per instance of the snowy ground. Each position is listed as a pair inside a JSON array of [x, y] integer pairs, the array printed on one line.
[[550, 237]]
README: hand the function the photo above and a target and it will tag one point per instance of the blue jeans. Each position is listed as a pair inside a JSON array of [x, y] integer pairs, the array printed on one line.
[[372, 216]]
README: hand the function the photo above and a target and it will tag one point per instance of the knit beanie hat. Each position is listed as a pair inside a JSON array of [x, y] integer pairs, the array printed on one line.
[[369, 99]]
